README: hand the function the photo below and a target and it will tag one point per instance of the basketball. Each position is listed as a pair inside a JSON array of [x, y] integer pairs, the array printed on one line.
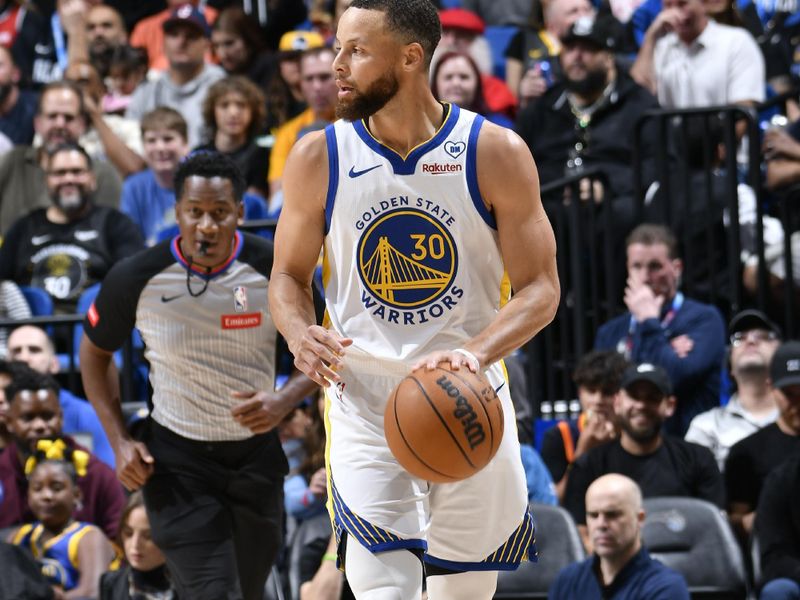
[[443, 425]]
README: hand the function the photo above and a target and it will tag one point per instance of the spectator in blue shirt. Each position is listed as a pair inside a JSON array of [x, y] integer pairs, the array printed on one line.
[[663, 327], [620, 567], [30, 345], [148, 197]]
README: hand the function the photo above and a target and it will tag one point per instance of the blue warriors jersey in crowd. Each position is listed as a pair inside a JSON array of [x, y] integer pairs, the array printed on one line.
[[58, 556]]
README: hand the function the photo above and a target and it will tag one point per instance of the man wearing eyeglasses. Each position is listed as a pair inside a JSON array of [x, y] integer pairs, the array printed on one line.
[[72, 244], [753, 338], [753, 458]]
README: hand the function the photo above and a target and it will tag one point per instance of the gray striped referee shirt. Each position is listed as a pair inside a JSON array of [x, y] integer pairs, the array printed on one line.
[[202, 348]]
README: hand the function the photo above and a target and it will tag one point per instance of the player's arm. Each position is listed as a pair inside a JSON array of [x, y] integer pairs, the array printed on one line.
[[298, 240], [510, 188]]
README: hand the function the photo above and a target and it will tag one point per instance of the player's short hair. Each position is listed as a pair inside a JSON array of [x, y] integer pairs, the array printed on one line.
[[412, 20], [207, 165], [650, 234], [167, 118], [24, 378], [600, 370]]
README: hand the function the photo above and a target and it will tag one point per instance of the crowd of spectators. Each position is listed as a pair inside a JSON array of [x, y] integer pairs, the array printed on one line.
[[101, 101]]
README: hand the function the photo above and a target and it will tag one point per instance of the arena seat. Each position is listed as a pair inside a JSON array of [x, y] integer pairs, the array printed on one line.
[[498, 37], [558, 545], [40, 302], [693, 537]]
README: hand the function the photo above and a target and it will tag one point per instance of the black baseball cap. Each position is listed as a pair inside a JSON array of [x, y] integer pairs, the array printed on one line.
[[784, 370], [749, 319], [596, 31], [650, 373]]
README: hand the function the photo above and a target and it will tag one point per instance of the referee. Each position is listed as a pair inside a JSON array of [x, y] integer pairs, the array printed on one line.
[[210, 462]]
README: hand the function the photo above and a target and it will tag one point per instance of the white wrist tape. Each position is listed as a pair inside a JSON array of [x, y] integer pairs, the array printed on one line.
[[468, 354]]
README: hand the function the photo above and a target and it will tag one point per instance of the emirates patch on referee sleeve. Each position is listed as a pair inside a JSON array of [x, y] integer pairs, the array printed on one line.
[[92, 315], [241, 321]]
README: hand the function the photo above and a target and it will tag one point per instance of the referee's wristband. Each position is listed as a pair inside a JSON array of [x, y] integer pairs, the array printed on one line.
[[468, 354]]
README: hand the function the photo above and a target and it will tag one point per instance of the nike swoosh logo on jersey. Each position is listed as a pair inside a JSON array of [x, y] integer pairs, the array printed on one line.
[[353, 173], [166, 299], [40, 239]]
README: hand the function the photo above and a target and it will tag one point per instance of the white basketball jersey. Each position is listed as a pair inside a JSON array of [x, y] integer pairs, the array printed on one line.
[[412, 261]]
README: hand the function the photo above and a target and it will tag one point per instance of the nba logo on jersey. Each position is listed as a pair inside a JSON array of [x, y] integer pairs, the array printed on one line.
[[240, 298]]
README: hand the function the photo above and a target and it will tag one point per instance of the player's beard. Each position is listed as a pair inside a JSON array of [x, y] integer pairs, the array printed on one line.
[[364, 104]]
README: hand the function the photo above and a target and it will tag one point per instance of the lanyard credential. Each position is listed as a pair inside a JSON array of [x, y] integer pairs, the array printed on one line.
[[625, 345]]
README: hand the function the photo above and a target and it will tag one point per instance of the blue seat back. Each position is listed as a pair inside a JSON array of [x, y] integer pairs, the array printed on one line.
[[39, 300], [498, 37]]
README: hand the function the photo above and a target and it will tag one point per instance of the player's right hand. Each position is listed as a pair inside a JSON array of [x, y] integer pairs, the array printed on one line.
[[319, 354], [134, 464]]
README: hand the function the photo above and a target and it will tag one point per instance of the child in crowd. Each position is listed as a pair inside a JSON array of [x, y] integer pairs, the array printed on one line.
[[145, 577], [148, 197], [128, 68], [72, 554], [234, 112]]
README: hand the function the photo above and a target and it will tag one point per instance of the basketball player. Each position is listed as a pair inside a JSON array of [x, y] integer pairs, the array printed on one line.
[[427, 214], [210, 462]]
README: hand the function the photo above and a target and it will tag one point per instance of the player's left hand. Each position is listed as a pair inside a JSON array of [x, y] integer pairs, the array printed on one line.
[[260, 411], [456, 360]]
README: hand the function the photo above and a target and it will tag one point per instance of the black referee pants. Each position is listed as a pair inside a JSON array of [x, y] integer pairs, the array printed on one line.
[[215, 511]]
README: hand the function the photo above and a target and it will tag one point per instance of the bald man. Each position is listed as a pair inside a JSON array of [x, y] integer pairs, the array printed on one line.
[[620, 566], [32, 346]]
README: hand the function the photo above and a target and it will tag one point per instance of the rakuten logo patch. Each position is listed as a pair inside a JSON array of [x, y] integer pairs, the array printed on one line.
[[441, 168]]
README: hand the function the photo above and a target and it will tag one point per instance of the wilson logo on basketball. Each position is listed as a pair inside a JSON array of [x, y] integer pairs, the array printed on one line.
[[473, 430]]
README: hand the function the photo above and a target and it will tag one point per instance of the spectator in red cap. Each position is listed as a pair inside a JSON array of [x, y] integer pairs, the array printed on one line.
[[462, 31]]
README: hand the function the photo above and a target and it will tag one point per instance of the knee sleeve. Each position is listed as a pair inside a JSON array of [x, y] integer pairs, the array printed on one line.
[[472, 585], [394, 575]]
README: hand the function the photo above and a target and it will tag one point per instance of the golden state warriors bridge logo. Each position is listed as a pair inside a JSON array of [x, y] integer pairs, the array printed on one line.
[[407, 261]]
